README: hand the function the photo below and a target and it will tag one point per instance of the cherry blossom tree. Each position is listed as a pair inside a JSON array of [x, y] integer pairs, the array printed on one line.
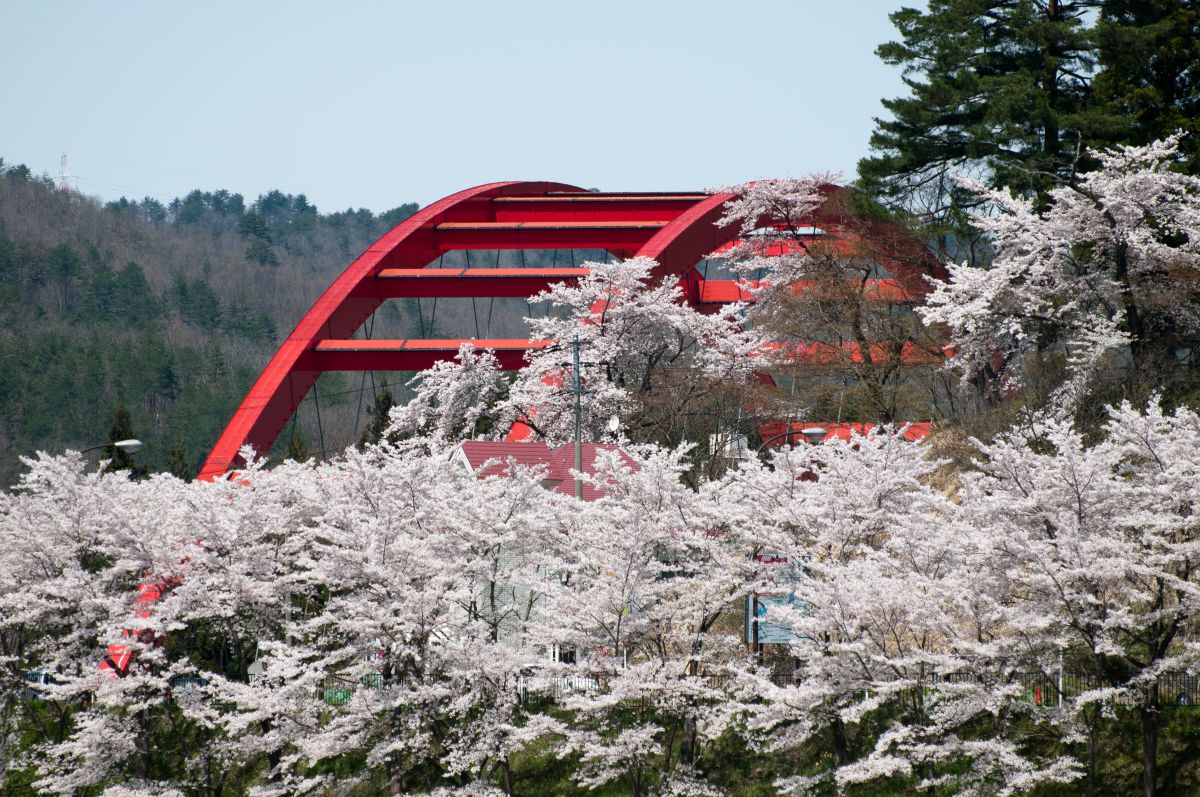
[[100, 543], [657, 357], [1100, 546], [456, 399], [637, 584], [1109, 267], [835, 287], [899, 656], [398, 622]]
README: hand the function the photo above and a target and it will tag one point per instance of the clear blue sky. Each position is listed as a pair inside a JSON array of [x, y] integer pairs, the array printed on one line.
[[371, 104]]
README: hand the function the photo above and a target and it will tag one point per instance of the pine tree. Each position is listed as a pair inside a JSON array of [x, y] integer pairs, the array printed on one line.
[[179, 463], [1148, 84], [380, 417], [259, 251], [298, 448], [998, 88], [122, 429], [65, 266]]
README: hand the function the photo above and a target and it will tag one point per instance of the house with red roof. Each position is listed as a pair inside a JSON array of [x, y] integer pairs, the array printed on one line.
[[487, 458], [484, 459], [781, 433]]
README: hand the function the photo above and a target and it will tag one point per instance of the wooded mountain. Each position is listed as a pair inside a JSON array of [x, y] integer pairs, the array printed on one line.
[[171, 309]]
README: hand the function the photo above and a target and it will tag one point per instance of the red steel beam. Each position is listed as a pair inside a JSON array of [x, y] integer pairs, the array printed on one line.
[[782, 433], [616, 236], [728, 291], [593, 207], [825, 354], [520, 283], [415, 354], [516, 283], [631, 194]]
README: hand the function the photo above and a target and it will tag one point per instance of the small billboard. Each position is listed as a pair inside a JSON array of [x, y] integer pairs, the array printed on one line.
[[772, 610]]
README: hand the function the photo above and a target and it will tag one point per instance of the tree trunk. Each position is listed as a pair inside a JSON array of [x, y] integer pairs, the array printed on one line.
[[1093, 752], [1050, 141], [635, 783], [506, 770], [1134, 323], [841, 749], [687, 742], [1149, 716]]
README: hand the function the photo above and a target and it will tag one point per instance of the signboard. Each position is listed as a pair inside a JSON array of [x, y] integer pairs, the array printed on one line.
[[775, 608]]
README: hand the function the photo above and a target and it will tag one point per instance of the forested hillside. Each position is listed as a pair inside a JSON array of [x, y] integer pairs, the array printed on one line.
[[171, 309]]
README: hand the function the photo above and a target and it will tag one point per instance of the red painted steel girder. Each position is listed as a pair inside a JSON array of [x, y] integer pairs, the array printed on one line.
[[823, 354], [521, 283], [513, 283], [729, 291], [615, 236], [675, 229], [594, 207], [415, 354], [418, 354]]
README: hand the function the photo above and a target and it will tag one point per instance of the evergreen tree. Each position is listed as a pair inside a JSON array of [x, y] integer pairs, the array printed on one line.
[[298, 448], [179, 464], [190, 209], [252, 225], [134, 297], [1148, 84], [99, 294], [998, 89], [259, 251], [380, 418], [154, 211], [390, 218], [65, 265], [199, 305], [122, 429]]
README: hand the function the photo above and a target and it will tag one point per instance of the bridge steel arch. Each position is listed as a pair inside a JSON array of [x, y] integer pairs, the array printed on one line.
[[675, 229]]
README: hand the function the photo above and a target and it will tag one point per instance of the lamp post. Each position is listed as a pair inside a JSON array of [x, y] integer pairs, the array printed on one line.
[[813, 434], [130, 446]]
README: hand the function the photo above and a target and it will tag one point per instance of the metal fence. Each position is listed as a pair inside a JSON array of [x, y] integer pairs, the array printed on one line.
[[1039, 688]]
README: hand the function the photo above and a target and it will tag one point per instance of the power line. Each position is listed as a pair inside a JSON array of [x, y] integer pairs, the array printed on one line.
[[308, 398], [107, 184]]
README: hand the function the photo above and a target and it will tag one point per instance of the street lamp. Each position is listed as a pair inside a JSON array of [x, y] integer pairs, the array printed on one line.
[[128, 446], [813, 434]]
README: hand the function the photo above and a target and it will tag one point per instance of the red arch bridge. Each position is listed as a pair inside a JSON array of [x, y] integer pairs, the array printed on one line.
[[677, 230]]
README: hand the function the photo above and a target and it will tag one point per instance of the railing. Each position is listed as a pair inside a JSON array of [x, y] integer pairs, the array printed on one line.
[[552, 690], [337, 690], [1043, 689]]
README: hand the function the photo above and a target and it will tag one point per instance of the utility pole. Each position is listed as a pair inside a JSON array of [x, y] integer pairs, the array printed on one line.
[[578, 422], [577, 366]]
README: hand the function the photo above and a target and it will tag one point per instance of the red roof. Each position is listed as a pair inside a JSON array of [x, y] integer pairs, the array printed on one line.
[[714, 291], [558, 462], [913, 432]]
